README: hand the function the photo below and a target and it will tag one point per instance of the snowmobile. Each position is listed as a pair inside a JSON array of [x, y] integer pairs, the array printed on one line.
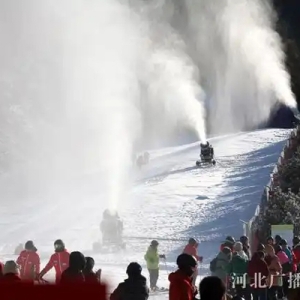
[[206, 155], [111, 228]]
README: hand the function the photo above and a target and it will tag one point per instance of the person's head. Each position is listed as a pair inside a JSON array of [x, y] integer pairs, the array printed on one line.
[[154, 244], [244, 240], [76, 261], [270, 240], [211, 287], [230, 239], [227, 251], [284, 244], [59, 246], [89, 264], [278, 239], [261, 247], [238, 246], [11, 267], [192, 242], [258, 255], [29, 246], [134, 270], [186, 263], [270, 250]]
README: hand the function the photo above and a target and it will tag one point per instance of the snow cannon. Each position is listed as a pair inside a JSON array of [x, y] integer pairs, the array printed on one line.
[[206, 155], [111, 228]]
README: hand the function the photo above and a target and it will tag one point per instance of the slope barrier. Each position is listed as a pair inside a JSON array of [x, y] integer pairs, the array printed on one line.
[[255, 228]]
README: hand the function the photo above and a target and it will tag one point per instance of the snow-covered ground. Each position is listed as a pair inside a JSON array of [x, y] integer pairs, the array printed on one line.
[[171, 201]]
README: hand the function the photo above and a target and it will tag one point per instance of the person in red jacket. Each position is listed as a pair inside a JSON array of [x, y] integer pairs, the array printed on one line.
[[74, 273], [59, 260], [191, 249], [181, 287], [258, 273], [29, 262], [296, 251]]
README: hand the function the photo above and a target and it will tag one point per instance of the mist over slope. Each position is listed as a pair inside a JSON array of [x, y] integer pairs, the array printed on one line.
[[83, 82]]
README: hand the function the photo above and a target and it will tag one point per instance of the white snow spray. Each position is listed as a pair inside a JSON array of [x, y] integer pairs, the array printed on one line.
[[240, 58], [174, 96], [69, 93]]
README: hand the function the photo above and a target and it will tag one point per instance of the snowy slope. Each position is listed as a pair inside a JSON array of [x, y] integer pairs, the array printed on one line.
[[170, 201]]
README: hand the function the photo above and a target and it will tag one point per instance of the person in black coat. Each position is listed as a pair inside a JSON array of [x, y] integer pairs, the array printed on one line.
[[74, 273], [134, 288]]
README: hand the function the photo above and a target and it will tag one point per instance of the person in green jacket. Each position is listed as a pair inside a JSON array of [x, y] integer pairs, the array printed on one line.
[[221, 264], [152, 259], [237, 269]]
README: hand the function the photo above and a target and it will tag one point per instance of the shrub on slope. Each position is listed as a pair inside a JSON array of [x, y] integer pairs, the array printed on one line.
[[289, 174], [283, 208]]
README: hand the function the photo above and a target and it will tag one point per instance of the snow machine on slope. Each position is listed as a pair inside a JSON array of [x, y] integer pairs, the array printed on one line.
[[206, 155], [111, 228]]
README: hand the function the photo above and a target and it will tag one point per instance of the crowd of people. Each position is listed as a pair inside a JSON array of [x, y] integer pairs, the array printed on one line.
[[270, 273], [69, 267]]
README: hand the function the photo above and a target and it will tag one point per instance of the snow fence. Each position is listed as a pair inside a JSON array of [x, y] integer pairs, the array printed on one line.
[[255, 228]]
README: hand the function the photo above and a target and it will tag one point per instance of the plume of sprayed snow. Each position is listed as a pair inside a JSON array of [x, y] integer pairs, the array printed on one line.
[[174, 95], [240, 58], [69, 93], [100, 73]]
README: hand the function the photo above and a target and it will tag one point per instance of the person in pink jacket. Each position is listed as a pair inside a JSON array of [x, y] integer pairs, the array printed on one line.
[[282, 256], [191, 249]]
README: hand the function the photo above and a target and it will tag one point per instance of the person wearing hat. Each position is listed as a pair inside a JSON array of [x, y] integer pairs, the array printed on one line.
[[229, 243], [152, 259], [29, 262], [181, 281], [135, 287], [59, 260]]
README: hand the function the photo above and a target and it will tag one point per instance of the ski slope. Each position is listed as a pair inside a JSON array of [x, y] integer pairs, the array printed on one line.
[[171, 200]]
